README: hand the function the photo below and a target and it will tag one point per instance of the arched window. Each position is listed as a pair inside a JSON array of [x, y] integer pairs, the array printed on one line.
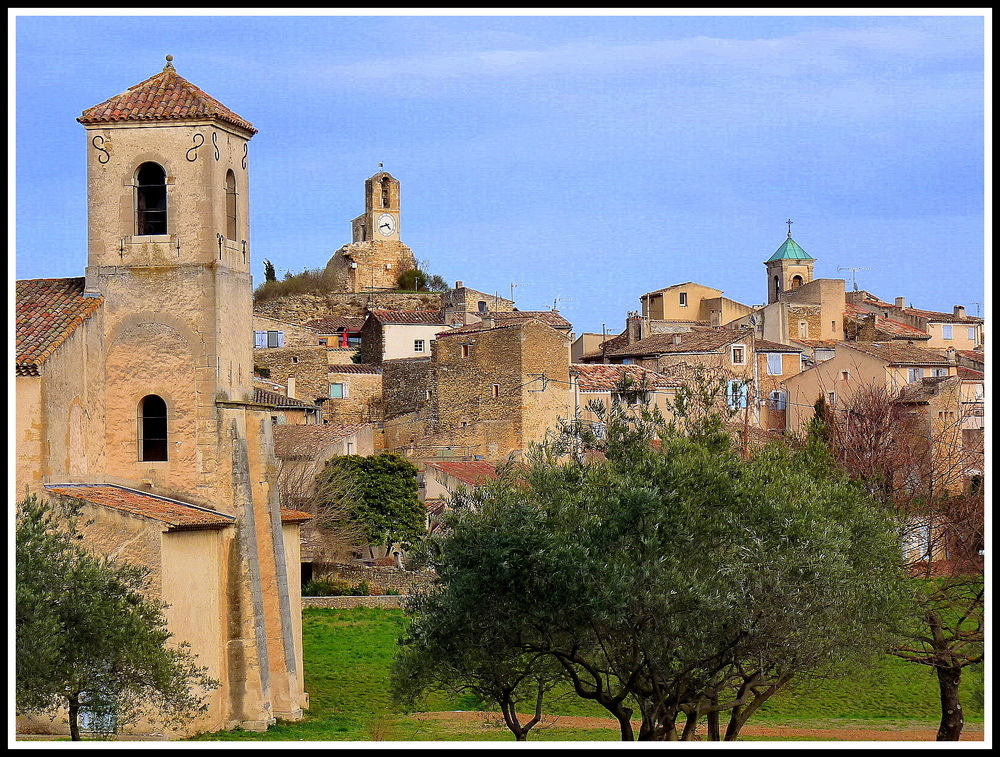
[[796, 281], [150, 200], [777, 287], [152, 428], [230, 205], [385, 191]]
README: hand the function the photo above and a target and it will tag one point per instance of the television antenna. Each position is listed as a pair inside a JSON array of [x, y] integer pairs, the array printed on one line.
[[512, 288], [977, 304], [854, 274]]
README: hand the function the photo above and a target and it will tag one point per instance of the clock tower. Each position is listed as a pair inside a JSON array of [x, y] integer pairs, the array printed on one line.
[[376, 257]]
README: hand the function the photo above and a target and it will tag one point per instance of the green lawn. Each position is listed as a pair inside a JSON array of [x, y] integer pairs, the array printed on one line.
[[348, 655]]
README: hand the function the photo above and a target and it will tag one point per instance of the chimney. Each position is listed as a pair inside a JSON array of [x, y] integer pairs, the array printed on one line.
[[634, 326], [960, 311], [676, 339], [458, 285], [488, 322], [900, 302]]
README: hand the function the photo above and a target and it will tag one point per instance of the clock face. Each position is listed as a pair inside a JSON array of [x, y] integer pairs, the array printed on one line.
[[386, 224]]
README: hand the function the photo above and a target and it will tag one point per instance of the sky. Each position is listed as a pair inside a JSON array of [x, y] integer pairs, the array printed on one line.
[[577, 161]]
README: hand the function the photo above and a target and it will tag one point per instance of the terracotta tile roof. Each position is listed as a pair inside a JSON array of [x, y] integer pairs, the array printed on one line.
[[548, 317], [979, 355], [333, 324], [295, 442], [354, 368], [935, 316], [597, 377], [178, 515], [898, 353], [924, 390], [686, 342], [48, 311], [823, 343], [273, 399], [763, 345], [472, 472], [288, 515], [166, 96], [407, 316], [970, 374], [886, 325]]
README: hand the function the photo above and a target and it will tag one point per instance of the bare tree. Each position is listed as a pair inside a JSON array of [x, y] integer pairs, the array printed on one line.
[[912, 452]]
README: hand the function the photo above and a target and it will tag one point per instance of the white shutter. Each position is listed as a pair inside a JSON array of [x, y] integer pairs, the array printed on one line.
[[260, 339]]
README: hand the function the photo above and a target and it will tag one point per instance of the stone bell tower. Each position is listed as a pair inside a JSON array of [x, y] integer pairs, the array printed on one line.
[[376, 257], [169, 253], [788, 268]]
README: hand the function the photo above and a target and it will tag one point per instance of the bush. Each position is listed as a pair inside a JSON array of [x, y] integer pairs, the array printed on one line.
[[327, 587]]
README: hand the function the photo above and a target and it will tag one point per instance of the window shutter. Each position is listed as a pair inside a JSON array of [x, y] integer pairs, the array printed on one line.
[[281, 338], [260, 339]]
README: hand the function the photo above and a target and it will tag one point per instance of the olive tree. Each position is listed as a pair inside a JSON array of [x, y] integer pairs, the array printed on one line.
[[87, 634]]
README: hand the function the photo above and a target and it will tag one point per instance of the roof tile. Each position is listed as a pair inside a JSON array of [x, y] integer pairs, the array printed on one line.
[[47, 312], [176, 514]]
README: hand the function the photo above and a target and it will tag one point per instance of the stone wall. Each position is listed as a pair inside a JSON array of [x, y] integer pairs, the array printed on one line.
[[308, 365], [347, 603], [406, 384], [307, 307], [380, 579]]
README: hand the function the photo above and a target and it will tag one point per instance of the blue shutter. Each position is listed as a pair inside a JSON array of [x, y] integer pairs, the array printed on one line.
[[260, 339]]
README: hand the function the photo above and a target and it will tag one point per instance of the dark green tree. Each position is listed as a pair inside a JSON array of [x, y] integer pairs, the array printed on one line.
[[269, 274], [87, 635], [380, 496], [677, 580]]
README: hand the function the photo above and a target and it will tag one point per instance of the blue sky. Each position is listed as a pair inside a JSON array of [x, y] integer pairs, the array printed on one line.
[[585, 159]]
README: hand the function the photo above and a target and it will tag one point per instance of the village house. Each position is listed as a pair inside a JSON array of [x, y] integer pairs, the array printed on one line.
[[134, 397], [690, 304], [956, 330], [892, 365], [463, 305], [630, 386], [487, 390], [338, 332], [395, 334]]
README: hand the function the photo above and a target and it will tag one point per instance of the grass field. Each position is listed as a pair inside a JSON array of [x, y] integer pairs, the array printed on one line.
[[348, 654]]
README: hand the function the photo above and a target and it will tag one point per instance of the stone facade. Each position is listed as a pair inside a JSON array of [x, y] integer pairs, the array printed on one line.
[[301, 370], [302, 308], [495, 391], [292, 334], [168, 273]]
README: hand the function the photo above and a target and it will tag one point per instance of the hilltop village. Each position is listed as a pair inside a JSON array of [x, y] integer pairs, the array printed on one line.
[[154, 389]]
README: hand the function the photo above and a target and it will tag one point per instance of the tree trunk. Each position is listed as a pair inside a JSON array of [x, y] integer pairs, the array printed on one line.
[[74, 712], [952, 717], [691, 725], [714, 729]]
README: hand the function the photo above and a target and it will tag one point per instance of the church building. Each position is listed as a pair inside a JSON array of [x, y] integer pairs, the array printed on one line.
[[135, 395]]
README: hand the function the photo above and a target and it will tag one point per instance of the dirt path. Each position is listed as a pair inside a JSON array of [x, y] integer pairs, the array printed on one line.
[[902, 733]]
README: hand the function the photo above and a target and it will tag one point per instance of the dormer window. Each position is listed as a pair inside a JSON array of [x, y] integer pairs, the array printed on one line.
[[150, 200]]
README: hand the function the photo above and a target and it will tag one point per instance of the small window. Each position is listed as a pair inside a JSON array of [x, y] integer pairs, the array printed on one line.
[[739, 354], [418, 345], [230, 205], [939, 371], [482, 306], [683, 299], [496, 391], [845, 375], [778, 399], [427, 394], [831, 398], [796, 282], [322, 342], [736, 394], [152, 428], [915, 374], [972, 333], [150, 200], [338, 391], [466, 350], [295, 359], [260, 339], [275, 338], [774, 364], [803, 330], [946, 331]]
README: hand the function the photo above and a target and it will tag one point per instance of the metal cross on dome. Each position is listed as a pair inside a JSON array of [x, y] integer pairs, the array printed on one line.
[[789, 222]]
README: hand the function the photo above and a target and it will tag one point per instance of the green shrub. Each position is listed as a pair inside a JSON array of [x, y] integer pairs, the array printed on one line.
[[327, 587], [360, 590]]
